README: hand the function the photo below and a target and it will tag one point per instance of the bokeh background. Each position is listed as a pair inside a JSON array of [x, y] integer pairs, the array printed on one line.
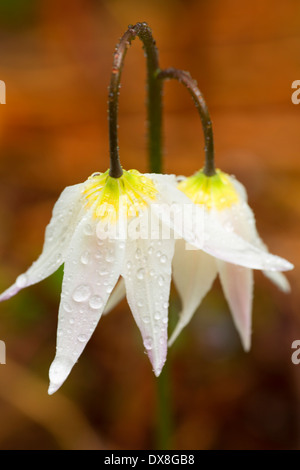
[[55, 58]]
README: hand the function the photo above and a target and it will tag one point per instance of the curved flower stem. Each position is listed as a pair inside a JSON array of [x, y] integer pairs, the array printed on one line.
[[154, 99], [185, 78]]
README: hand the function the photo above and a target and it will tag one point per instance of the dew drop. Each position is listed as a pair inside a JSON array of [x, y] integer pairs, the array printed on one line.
[[59, 258], [129, 264], [85, 257], [140, 304], [152, 272], [95, 302], [110, 256], [158, 254], [71, 321], [150, 250], [138, 253], [109, 289], [103, 272], [82, 293], [21, 280], [82, 338], [67, 307], [157, 316], [140, 274], [148, 343], [160, 281], [146, 319], [59, 370], [88, 230], [163, 259]]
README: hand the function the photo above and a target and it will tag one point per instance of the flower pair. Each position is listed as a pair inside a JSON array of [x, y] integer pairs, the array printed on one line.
[[135, 228]]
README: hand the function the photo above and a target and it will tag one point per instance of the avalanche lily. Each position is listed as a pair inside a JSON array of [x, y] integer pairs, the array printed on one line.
[[80, 235], [224, 199]]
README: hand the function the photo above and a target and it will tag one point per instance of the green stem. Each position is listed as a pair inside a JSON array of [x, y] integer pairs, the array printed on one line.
[[164, 414], [154, 98], [191, 85]]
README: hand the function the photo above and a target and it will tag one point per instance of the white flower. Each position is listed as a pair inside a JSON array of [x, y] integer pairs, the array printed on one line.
[[89, 233], [225, 200]]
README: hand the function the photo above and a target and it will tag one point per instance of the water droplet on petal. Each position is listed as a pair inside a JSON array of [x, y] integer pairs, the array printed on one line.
[[146, 319], [82, 293], [138, 253], [129, 264], [85, 257], [110, 257], [140, 304], [160, 281], [109, 289], [96, 302], [59, 370], [157, 316], [21, 280], [140, 274], [88, 230], [67, 307], [82, 338], [148, 343], [163, 259], [59, 258]]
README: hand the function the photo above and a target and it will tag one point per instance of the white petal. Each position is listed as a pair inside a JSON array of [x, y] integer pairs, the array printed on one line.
[[279, 280], [194, 273], [117, 295], [221, 242], [237, 283], [202, 229], [92, 268], [247, 223], [57, 237], [147, 274]]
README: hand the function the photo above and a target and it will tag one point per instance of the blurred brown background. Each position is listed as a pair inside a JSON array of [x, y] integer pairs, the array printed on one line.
[[55, 58]]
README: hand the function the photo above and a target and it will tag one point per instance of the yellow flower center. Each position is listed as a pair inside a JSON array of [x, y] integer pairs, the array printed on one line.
[[213, 191], [129, 194]]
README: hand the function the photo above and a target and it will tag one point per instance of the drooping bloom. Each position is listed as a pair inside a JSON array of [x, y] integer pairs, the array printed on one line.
[[100, 230], [224, 199]]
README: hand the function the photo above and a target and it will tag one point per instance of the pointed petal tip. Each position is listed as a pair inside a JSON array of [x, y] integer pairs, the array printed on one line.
[[10, 292], [53, 388], [246, 342], [58, 372], [157, 371], [178, 329]]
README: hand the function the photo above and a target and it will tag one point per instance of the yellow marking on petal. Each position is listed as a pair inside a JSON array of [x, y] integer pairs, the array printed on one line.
[[212, 191], [129, 194]]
